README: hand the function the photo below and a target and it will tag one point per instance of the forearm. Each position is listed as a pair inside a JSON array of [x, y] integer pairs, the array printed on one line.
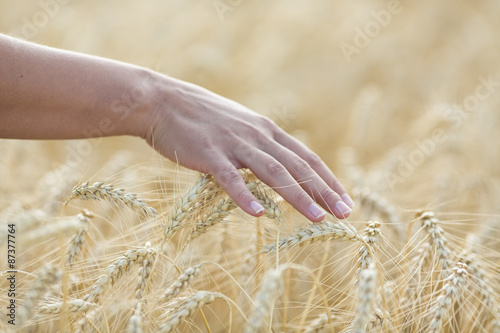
[[47, 93]]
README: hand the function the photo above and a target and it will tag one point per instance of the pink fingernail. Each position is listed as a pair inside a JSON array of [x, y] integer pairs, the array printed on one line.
[[316, 211], [256, 207], [343, 208], [347, 199]]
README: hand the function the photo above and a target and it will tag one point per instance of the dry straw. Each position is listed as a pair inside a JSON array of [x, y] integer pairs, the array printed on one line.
[[99, 191]]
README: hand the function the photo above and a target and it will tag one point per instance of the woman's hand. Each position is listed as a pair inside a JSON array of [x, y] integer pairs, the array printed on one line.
[[209, 133]]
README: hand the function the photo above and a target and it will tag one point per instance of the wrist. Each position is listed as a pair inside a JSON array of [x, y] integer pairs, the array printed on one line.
[[136, 107]]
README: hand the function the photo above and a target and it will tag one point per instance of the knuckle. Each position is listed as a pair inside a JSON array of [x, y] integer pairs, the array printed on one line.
[[229, 175], [275, 168], [302, 197], [314, 160], [329, 196], [302, 166]]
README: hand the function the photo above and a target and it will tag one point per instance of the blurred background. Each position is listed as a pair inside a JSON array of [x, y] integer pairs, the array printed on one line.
[[365, 83]]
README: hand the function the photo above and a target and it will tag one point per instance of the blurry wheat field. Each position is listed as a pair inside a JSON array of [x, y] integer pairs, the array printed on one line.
[[401, 99]]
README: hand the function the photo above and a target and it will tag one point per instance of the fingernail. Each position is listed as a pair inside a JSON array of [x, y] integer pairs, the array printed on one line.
[[347, 199], [343, 208], [316, 211], [256, 207]]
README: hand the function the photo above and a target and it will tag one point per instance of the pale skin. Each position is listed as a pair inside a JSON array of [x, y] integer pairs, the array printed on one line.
[[47, 93]]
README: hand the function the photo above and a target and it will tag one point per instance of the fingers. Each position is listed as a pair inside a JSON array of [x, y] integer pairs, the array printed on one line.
[[232, 182], [316, 163], [309, 180], [273, 173]]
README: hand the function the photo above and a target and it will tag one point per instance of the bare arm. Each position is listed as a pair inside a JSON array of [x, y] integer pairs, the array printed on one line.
[[47, 93]]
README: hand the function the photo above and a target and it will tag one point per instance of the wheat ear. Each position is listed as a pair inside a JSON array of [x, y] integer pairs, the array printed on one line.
[[187, 308], [264, 301], [135, 321], [436, 238], [75, 305], [99, 191], [116, 270], [218, 213], [367, 295], [317, 232], [272, 210], [484, 287], [78, 240], [48, 275], [182, 282], [449, 293], [185, 205], [367, 248]]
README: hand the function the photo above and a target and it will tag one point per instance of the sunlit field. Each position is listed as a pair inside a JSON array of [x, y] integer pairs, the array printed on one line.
[[400, 98]]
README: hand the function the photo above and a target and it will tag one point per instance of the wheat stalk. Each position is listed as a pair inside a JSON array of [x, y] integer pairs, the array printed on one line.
[[317, 232], [99, 191], [47, 276], [187, 308]]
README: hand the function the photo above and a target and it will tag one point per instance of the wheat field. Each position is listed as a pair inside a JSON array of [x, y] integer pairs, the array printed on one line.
[[400, 98]]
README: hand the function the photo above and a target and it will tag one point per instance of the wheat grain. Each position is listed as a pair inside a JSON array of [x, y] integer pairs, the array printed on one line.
[[99, 191], [317, 232], [187, 308], [47, 276]]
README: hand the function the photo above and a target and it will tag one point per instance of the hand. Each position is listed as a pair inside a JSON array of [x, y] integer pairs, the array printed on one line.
[[209, 133]]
